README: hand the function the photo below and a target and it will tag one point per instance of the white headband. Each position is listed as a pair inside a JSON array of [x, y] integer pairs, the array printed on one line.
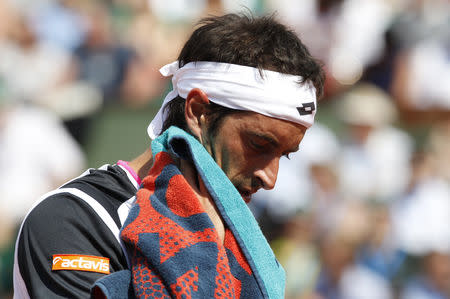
[[243, 88]]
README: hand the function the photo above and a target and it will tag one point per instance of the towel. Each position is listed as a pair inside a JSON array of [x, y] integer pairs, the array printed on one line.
[[172, 245]]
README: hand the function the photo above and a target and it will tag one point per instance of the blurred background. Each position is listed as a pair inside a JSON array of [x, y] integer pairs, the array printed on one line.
[[362, 211]]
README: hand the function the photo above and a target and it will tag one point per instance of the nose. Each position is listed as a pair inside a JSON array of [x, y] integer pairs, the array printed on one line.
[[268, 175]]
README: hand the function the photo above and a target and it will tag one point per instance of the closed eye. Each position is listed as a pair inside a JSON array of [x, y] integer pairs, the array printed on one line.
[[257, 146], [261, 142]]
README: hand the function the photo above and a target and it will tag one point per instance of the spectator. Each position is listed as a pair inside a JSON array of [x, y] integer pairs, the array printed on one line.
[[38, 155], [374, 163], [59, 23], [341, 277], [427, 200], [102, 62], [29, 68], [348, 35], [298, 254], [380, 252], [422, 71], [434, 280]]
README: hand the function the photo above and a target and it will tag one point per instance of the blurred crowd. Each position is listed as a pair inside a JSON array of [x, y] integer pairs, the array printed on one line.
[[362, 211]]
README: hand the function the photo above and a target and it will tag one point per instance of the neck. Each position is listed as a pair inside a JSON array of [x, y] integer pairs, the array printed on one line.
[[142, 163]]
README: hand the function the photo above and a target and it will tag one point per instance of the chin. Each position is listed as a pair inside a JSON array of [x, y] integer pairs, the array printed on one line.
[[246, 197]]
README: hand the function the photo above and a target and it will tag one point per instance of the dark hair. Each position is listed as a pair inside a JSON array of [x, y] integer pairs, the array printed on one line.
[[259, 42]]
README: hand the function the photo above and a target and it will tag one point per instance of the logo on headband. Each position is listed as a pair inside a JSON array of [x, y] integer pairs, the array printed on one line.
[[307, 108]]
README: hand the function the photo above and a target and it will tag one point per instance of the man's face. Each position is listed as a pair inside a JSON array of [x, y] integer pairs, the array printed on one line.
[[248, 147]]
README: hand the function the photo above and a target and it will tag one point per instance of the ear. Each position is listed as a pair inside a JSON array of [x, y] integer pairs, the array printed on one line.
[[194, 111]]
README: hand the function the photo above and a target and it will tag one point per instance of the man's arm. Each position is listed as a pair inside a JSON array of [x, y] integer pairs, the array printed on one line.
[[65, 225]]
